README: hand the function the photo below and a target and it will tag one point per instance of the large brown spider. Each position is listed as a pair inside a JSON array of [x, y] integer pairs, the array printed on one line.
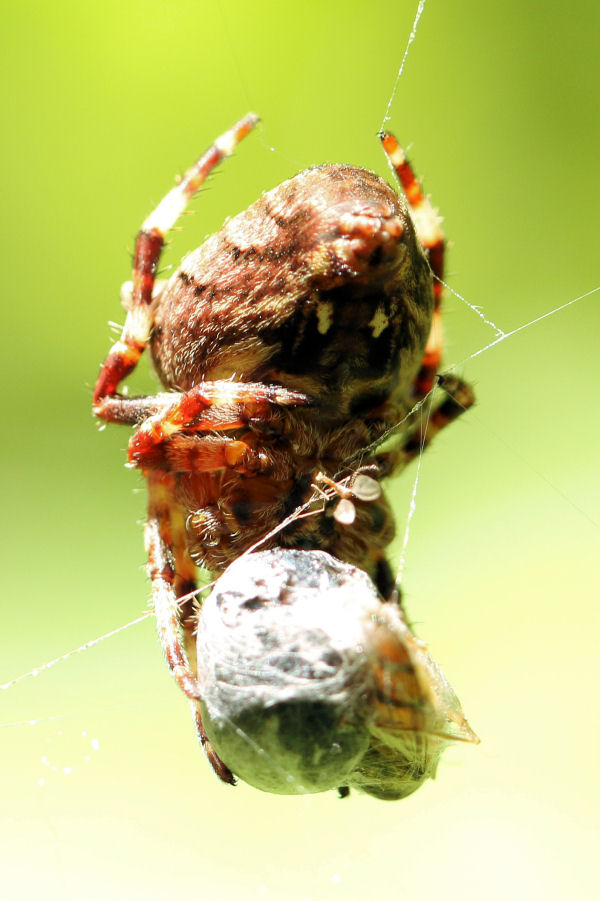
[[289, 344]]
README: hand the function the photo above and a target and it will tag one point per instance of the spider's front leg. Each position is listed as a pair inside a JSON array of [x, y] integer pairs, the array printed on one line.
[[168, 439], [124, 355], [173, 577]]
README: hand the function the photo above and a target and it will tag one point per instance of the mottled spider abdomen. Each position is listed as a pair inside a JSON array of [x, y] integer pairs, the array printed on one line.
[[320, 285]]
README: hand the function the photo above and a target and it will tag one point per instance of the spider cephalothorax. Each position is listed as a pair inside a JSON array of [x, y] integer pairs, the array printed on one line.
[[288, 344]]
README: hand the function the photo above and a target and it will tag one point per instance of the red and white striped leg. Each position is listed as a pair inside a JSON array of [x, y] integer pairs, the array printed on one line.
[[173, 578], [124, 355], [429, 232]]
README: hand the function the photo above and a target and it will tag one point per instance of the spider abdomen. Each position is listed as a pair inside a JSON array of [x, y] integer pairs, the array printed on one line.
[[320, 285]]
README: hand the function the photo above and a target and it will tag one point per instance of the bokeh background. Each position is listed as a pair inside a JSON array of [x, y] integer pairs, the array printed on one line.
[[104, 791]]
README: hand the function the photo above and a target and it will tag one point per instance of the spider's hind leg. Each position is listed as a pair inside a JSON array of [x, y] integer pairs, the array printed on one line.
[[459, 398], [429, 232]]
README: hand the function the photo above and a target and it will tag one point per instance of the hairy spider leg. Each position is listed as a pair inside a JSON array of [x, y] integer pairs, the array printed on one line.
[[173, 577], [459, 398], [429, 232], [208, 406], [124, 355], [162, 572], [184, 583]]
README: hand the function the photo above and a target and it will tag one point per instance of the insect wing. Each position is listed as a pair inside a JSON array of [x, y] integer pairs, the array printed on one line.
[[416, 713], [412, 692]]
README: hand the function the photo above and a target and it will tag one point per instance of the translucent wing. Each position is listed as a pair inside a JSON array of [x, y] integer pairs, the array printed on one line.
[[310, 681]]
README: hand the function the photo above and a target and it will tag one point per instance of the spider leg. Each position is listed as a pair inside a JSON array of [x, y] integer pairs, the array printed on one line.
[[126, 292], [206, 453], [124, 355], [459, 398], [133, 410], [162, 572], [184, 582], [173, 579], [429, 232], [167, 420], [208, 406], [217, 406]]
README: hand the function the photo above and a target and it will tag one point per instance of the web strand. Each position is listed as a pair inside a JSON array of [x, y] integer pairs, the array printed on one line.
[[474, 307], [413, 500], [36, 671], [522, 328], [411, 38]]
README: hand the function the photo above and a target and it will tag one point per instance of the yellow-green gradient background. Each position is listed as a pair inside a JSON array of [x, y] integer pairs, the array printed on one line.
[[499, 104]]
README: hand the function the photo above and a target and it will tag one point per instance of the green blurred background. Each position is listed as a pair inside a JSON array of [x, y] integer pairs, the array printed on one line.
[[106, 794]]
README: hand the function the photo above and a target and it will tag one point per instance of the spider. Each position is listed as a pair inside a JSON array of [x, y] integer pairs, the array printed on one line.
[[290, 344]]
